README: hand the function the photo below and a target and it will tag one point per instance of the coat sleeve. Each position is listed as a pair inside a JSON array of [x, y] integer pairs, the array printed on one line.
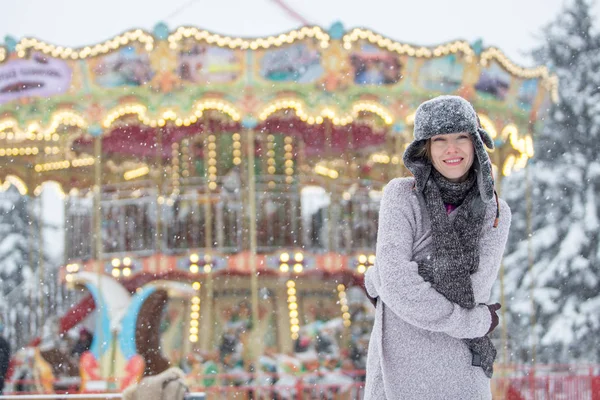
[[491, 249], [395, 279]]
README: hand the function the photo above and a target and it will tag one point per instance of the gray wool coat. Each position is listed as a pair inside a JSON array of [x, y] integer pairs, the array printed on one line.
[[416, 350]]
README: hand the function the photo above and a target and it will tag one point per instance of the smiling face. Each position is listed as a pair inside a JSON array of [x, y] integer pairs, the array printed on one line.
[[452, 155]]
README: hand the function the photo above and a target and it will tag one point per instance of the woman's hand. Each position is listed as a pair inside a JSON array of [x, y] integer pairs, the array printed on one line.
[[495, 320], [373, 300]]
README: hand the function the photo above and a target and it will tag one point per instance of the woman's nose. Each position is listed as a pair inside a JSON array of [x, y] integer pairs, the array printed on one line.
[[452, 147]]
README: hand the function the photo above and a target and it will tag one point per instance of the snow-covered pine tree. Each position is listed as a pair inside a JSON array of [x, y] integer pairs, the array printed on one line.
[[17, 256], [565, 182], [14, 245], [22, 290]]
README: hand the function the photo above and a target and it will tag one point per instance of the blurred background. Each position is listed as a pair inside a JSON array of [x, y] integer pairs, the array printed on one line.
[[197, 184]]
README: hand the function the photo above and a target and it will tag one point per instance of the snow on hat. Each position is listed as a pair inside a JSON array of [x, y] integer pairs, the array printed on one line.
[[444, 115]]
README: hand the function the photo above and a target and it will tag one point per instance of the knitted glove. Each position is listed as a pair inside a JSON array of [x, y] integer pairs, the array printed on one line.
[[495, 320]]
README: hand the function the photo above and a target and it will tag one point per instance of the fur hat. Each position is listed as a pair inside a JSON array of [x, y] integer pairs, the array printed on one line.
[[443, 115]]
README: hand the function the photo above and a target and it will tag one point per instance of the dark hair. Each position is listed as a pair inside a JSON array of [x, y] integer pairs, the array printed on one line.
[[425, 150]]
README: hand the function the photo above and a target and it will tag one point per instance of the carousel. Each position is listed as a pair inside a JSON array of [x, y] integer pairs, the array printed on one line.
[[221, 194]]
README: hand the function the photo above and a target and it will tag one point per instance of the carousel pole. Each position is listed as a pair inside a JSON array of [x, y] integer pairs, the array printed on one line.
[[41, 267], [65, 292], [208, 240], [159, 195], [97, 204], [250, 125], [354, 176], [31, 244], [97, 201], [40, 261], [328, 151], [350, 153]]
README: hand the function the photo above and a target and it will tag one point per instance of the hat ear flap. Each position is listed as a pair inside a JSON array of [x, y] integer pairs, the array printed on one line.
[[485, 138], [420, 167], [485, 179]]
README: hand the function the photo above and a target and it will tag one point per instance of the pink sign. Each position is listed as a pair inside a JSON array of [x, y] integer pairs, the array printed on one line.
[[39, 76]]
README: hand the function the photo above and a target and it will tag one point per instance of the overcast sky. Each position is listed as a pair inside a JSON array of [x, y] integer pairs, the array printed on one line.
[[512, 25]]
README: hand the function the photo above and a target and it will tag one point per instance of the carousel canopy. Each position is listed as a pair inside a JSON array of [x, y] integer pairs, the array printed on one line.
[[144, 96]]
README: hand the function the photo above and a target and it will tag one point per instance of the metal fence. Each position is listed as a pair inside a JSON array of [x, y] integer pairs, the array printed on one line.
[[549, 382], [581, 383]]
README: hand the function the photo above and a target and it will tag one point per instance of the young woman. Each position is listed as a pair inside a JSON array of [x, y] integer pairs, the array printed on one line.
[[440, 243]]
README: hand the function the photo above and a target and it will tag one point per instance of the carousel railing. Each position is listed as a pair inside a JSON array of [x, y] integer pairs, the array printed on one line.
[[78, 227], [278, 215], [185, 217], [354, 223], [129, 225], [141, 221]]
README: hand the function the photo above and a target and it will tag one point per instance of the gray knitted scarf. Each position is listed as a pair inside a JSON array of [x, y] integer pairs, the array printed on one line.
[[456, 250]]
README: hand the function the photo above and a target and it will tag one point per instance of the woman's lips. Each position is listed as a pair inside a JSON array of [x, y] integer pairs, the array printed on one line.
[[453, 161]]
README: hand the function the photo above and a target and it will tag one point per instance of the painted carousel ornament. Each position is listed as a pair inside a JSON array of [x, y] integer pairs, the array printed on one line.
[[164, 64]]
